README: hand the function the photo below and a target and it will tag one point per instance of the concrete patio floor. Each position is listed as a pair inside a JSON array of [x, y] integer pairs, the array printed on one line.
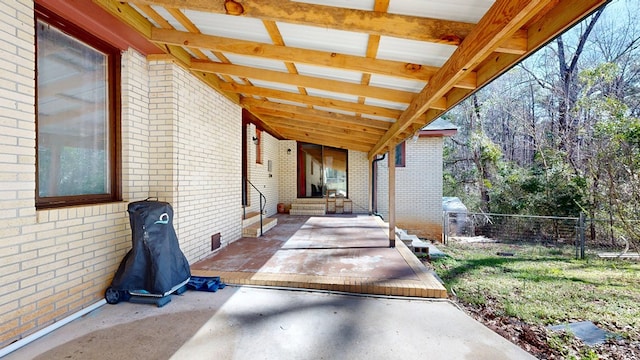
[[264, 323], [347, 253], [329, 254]]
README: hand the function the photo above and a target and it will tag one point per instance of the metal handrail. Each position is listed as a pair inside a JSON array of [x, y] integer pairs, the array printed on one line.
[[262, 205]]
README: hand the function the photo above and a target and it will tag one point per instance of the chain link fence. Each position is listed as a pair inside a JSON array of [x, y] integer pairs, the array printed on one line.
[[586, 235]]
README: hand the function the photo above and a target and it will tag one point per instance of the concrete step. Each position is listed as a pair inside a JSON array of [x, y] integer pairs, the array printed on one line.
[[310, 201], [307, 212], [250, 218], [253, 230], [308, 206], [417, 245], [427, 248]]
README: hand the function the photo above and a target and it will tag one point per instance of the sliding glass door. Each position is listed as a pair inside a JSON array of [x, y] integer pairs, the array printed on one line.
[[321, 168]]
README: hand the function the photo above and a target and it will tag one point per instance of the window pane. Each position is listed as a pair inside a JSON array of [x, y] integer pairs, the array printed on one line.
[[321, 168], [335, 169], [73, 116], [400, 154], [310, 178]]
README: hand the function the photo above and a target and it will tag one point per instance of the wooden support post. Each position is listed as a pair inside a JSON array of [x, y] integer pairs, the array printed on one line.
[[370, 187], [392, 196]]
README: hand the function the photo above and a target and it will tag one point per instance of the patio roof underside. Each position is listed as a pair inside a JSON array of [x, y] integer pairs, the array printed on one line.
[[356, 74]]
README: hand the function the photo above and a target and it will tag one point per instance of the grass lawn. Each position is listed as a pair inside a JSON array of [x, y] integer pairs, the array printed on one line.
[[543, 286]]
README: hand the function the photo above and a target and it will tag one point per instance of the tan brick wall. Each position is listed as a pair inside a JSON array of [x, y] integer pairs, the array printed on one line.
[[54, 262], [162, 132], [181, 142], [196, 160], [17, 137], [135, 126], [359, 181], [358, 176], [17, 160], [288, 169], [418, 189], [268, 182]]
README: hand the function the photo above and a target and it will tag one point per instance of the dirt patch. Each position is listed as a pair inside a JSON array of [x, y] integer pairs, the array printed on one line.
[[545, 344]]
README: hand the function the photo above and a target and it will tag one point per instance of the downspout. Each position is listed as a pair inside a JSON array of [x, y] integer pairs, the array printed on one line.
[[373, 186]]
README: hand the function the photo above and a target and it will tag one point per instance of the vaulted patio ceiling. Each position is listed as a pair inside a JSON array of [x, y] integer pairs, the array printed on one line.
[[356, 74]]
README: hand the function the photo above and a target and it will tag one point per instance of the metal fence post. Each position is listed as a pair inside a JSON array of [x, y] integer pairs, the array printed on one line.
[[445, 227], [581, 224]]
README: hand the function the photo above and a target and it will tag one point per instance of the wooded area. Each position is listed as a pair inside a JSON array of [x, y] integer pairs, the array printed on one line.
[[558, 134]]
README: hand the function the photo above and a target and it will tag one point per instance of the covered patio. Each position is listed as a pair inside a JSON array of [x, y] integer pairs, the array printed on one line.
[[193, 99], [348, 253]]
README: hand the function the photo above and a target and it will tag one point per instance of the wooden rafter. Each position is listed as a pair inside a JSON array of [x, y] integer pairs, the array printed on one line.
[[335, 132], [135, 20], [323, 118], [276, 38], [311, 82], [249, 117], [305, 56], [339, 106], [322, 139], [502, 20], [539, 31], [304, 81], [373, 43], [369, 22], [182, 19]]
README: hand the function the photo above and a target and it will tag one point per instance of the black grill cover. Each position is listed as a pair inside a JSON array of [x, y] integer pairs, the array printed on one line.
[[155, 262]]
